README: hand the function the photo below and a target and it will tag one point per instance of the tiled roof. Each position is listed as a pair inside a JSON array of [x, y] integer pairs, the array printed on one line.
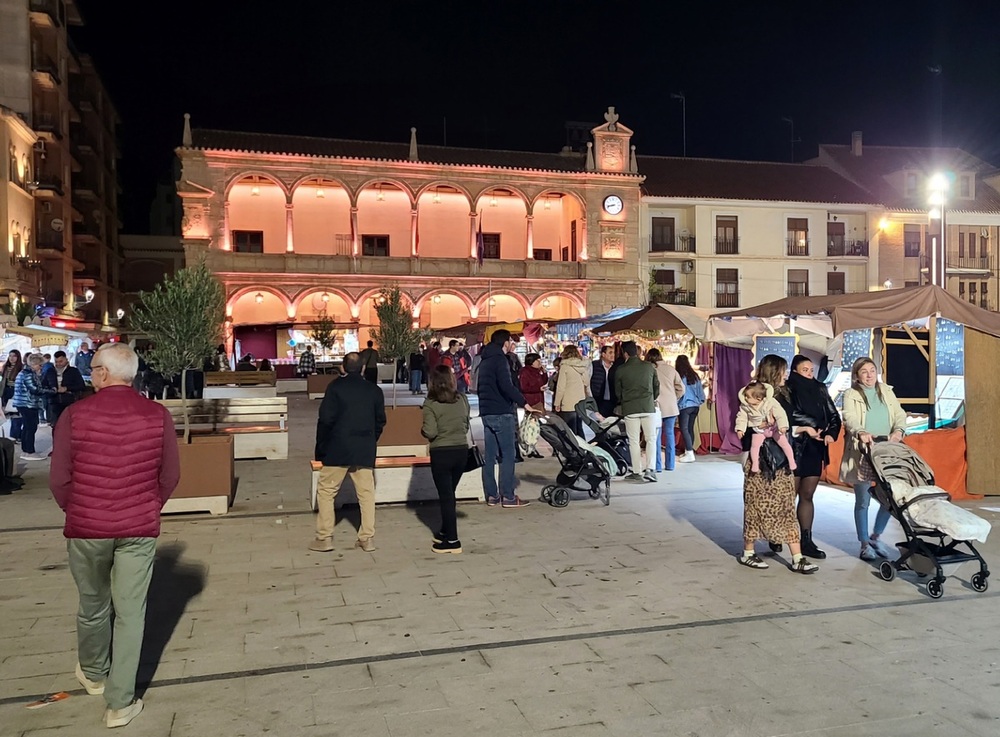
[[347, 149], [668, 176], [876, 163]]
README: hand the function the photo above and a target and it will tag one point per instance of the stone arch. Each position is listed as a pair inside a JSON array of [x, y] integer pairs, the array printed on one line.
[[321, 216], [243, 291], [375, 181], [502, 186], [498, 312], [425, 188], [238, 178], [374, 292], [538, 310], [430, 293], [310, 292], [307, 178], [556, 190]]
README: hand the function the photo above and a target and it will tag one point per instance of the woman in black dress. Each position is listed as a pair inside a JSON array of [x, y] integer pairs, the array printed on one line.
[[816, 424]]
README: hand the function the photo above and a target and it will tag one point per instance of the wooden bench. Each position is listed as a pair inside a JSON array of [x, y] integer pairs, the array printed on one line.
[[401, 479], [241, 378], [259, 427]]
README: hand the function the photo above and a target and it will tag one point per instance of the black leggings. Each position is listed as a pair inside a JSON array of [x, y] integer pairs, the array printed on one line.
[[447, 467]]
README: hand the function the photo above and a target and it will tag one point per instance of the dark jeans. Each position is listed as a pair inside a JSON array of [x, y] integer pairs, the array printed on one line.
[[29, 424], [447, 467], [371, 375], [415, 375], [687, 419], [500, 432]]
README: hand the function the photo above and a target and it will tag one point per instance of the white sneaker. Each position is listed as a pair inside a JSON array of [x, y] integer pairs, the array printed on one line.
[[33, 457], [688, 457], [94, 688], [121, 717]]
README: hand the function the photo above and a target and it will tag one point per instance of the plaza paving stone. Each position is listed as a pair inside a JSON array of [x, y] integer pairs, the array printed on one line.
[[627, 620]]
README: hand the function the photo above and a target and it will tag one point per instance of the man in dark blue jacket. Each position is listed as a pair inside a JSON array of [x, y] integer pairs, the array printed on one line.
[[498, 403], [351, 419]]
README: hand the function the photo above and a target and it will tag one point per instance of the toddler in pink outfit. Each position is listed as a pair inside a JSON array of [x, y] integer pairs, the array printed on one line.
[[761, 412]]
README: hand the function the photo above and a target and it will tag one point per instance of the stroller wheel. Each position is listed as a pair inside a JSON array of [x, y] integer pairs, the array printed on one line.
[[546, 495], [560, 497], [980, 582], [887, 570], [935, 588]]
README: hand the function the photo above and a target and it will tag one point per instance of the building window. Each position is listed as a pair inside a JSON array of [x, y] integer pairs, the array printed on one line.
[[911, 240], [836, 239], [972, 292], [727, 287], [248, 241], [663, 235], [984, 246], [835, 282], [961, 244], [727, 238], [972, 245], [491, 245], [13, 165], [568, 253], [961, 289], [664, 277], [798, 237], [964, 187], [543, 254], [911, 185], [375, 245], [798, 282], [911, 284]]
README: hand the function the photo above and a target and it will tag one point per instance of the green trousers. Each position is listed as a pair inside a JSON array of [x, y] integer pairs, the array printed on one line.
[[112, 577]]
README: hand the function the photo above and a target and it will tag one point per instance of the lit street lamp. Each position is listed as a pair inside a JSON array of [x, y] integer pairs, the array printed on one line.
[[937, 198]]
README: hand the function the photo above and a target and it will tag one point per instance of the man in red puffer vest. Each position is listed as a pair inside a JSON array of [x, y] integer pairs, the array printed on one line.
[[114, 465]]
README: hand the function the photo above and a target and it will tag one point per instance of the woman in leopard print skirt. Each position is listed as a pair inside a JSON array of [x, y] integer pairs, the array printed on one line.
[[769, 496]]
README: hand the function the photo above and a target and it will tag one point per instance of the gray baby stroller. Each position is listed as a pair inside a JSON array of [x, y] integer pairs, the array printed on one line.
[[608, 436], [582, 469], [927, 549]]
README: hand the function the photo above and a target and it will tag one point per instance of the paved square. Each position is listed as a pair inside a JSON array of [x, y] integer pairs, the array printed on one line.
[[630, 620]]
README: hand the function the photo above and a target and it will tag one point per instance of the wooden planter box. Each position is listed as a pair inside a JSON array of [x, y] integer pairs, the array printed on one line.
[[317, 383], [401, 436], [207, 476]]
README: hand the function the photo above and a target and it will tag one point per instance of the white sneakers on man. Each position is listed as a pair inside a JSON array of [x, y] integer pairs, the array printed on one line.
[[121, 717]]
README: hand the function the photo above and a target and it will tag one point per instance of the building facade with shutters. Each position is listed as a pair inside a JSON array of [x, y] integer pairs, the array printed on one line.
[[726, 234], [297, 227]]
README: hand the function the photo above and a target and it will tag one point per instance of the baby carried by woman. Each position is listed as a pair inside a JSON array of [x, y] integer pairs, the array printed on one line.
[[761, 412]]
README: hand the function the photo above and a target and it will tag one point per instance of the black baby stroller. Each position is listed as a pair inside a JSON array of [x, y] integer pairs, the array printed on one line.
[[609, 436], [582, 469], [926, 550]]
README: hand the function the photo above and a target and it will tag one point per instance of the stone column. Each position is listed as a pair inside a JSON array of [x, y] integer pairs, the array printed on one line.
[[414, 238], [289, 229], [584, 254], [531, 237], [355, 238], [227, 238], [472, 234]]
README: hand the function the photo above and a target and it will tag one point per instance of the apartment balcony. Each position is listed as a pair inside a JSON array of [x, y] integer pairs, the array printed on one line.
[[84, 186], [728, 300], [50, 241], [964, 265], [679, 297], [44, 65], [795, 246], [87, 231], [46, 13], [680, 244], [839, 247], [399, 267], [797, 289], [45, 122], [46, 183], [727, 246]]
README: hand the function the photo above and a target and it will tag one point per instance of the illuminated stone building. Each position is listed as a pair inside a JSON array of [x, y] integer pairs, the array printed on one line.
[[295, 227]]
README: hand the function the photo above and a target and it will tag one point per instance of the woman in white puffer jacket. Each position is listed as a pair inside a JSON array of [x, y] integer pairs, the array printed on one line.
[[572, 387]]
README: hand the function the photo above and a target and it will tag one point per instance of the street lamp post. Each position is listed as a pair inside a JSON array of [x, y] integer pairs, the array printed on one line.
[[938, 199]]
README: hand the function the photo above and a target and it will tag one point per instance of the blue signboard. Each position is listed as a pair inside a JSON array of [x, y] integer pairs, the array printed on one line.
[[785, 345]]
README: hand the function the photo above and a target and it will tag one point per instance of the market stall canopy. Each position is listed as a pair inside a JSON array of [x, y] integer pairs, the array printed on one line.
[[660, 317], [470, 331], [43, 335], [576, 325], [832, 315]]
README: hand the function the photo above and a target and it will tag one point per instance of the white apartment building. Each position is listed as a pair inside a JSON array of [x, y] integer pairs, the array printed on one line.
[[728, 234]]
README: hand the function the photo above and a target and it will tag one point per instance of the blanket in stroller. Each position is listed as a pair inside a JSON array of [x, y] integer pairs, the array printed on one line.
[[938, 513]]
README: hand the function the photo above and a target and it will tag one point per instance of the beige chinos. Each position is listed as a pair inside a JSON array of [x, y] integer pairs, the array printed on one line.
[[330, 480]]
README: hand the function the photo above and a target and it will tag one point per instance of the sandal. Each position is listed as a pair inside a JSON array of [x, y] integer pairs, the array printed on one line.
[[753, 561]]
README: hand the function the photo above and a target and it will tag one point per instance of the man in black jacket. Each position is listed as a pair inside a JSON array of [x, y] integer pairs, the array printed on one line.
[[351, 419], [67, 382], [498, 403], [602, 381]]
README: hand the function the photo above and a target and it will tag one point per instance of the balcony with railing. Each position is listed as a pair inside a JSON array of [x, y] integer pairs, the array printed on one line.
[[680, 244], [679, 297], [796, 246], [45, 64], [727, 246], [984, 302], [47, 122], [49, 240], [727, 299], [838, 246], [48, 182], [49, 12], [798, 289], [964, 264]]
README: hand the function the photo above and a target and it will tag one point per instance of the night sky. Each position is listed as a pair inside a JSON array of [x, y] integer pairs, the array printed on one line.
[[510, 74]]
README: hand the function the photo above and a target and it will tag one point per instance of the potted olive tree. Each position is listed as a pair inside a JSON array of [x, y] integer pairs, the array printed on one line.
[[183, 318], [396, 338]]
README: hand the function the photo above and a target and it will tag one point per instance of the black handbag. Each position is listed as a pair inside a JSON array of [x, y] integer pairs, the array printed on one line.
[[474, 459]]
